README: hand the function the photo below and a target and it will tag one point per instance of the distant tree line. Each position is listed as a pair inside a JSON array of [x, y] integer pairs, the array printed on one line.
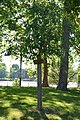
[[3, 70], [14, 72]]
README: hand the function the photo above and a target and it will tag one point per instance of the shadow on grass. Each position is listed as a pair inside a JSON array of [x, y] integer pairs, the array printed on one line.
[[20, 104], [34, 114], [66, 105]]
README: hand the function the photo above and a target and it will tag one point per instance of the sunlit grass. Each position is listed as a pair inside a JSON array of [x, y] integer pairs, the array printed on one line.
[[14, 113], [21, 104]]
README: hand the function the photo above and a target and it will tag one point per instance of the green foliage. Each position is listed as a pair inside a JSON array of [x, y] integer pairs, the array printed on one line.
[[72, 75], [42, 22], [54, 65], [15, 67], [15, 82], [79, 75], [32, 73], [34, 24], [37, 26]]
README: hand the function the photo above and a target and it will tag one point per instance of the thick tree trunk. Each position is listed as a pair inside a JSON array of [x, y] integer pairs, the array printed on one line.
[[63, 75], [45, 77]]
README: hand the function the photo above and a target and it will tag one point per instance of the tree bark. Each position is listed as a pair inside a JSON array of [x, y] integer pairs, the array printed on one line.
[[39, 61], [79, 76], [39, 77], [63, 75], [20, 70], [45, 79]]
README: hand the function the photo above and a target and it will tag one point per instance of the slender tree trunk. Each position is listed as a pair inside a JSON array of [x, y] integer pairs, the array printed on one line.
[[79, 76], [45, 79], [20, 69], [39, 61], [63, 75], [39, 76]]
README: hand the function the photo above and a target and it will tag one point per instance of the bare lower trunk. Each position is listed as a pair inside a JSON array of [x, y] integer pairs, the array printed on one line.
[[39, 76], [45, 79], [63, 75], [39, 61], [20, 70], [79, 76]]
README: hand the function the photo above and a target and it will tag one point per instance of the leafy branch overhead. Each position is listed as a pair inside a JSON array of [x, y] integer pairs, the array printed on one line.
[[34, 25]]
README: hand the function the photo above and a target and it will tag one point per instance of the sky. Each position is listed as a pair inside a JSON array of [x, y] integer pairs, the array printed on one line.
[[75, 65]]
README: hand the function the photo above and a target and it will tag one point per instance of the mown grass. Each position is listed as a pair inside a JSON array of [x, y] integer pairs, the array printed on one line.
[[21, 104]]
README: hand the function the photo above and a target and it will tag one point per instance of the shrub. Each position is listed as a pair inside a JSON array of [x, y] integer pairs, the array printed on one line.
[[15, 82]]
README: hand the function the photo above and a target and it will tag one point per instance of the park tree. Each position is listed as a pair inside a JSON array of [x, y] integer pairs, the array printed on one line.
[[3, 70], [64, 57], [40, 27], [13, 35], [69, 7], [33, 24], [43, 35]]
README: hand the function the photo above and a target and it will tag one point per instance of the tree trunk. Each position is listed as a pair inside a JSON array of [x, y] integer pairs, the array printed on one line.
[[45, 79], [39, 77], [79, 76], [39, 61], [63, 75], [20, 69]]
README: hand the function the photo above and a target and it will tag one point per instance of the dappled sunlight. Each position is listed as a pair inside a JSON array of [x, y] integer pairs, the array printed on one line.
[[30, 100], [21, 104], [2, 118], [30, 118], [14, 114], [6, 103], [64, 105], [54, 117]]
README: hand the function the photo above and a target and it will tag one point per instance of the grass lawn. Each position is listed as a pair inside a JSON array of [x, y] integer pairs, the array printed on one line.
[[21, 104]]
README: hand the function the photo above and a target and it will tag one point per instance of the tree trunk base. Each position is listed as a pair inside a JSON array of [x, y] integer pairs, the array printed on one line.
[[45, 85], [78, 84], [63, 88]]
